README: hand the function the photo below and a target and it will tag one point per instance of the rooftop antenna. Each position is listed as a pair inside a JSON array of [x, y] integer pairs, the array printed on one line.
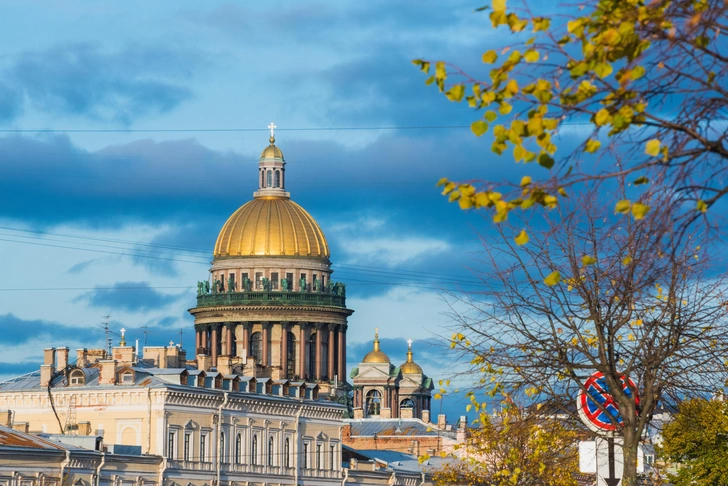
[[180, 337], [146, 331], [106, 331]]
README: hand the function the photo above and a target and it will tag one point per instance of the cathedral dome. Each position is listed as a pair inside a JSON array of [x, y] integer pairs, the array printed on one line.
[[376, 355], [271, 226], [409, 367], [271, 151]]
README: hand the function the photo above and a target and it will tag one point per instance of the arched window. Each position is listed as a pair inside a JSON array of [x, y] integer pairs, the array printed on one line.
[[77, 378], [374, 402], [262, 178], [256, 347], [278, 178], [407, 403], [291, 358], [239, 449], [254, 451], [312, 356], [270, 178], [270, 451], [287, 453]]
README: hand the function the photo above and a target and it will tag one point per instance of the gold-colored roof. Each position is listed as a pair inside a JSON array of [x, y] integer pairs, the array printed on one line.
[[271, 226], [376, 355], [409, 367], [271, 151]]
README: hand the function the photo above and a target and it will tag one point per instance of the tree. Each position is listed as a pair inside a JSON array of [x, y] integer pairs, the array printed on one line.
[[594, 292], [646, 79], [513, 448], [698, 440]]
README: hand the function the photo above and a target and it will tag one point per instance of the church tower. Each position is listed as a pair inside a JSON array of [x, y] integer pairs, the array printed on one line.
[[270, 308]]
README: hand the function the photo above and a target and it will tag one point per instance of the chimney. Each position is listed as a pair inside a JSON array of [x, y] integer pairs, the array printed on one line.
[[62, 354], [124, 355], [49, 356], [107, 372], [172, 356], [462, 429], [81, 357], [46, 373], [441, 421], [416, 447], [6, 416], [426, 416]]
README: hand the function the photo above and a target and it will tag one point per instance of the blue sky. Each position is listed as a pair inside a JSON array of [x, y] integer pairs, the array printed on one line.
[[124, 222]]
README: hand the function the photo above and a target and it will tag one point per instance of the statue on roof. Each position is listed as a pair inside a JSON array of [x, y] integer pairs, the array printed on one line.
[[216, 286], [207, 286], [284, 284], [231, 284], [266, 283]]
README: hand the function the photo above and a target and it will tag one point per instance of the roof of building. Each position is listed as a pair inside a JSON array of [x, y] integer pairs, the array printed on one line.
[[272, 151], [399, 461], [396, 427], [376, 355], [271, 226], [10, 437]]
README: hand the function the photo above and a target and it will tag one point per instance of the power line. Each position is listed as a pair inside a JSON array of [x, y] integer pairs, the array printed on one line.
[[224, 130]]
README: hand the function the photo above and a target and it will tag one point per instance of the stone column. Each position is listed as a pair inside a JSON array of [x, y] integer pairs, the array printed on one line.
[[204, 339], [229, 327], [246, 338], [342, 352], [198, 337], [266, 348], [319, 331], [284, 350], [332, 339], [214, 338], [302, 353]]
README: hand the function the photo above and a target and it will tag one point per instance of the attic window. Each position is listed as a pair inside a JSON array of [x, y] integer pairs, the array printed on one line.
[[77, 378], [127, 378]]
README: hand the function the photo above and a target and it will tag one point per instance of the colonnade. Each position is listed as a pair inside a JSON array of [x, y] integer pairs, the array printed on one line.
[[303, 350]]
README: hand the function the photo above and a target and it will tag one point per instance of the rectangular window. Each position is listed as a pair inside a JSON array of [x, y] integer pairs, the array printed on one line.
[[258, 280], [318, 456], [305, 455], [289, 278], [170, 445], [203, 439], [232, 279], [274, 280], [332, 462], [222, 282], [187, 447]]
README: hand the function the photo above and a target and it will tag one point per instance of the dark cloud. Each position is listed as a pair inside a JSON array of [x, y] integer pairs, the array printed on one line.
[[19, 368], [127, 296], [84, 80], [17, 331]]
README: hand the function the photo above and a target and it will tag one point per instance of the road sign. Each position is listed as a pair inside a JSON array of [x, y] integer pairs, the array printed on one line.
[[604, 419]]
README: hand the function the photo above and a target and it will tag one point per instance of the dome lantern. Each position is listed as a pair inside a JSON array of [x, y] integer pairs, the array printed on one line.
[[271, 170]]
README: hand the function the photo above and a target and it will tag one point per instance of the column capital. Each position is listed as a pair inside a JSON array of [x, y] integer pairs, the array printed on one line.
[[286, 325], [214, 326], [319, 325], [230, 326], [343, 327], [304, 325], [247, 325], [331, 327], [266, 324], [200, 327]]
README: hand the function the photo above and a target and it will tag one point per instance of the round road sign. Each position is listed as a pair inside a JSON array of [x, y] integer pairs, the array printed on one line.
[[607, 418]]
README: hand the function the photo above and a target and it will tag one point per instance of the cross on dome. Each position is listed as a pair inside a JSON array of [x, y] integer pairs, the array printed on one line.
[[171, 343], [272, 128], [409, 343], [376, 333], [123, 331]]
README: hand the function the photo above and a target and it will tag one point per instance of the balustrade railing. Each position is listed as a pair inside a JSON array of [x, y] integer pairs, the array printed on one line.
[[271, 297]]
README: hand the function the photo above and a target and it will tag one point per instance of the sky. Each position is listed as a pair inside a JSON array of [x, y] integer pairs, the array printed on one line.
[[130, 131]]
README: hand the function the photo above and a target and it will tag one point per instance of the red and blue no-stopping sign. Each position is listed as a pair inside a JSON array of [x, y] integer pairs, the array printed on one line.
[[605, 418]]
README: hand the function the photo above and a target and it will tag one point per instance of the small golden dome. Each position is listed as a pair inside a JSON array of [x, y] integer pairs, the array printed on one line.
[[409, 367], [271, 226], [271, 151], [376, 355]]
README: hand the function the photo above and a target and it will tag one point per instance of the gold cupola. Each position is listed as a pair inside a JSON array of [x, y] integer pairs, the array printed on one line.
[[410, 367], [376, 355], [271, 224]]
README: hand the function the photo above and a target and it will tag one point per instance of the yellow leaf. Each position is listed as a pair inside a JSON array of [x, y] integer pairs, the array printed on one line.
[[531, 55], [525, 181], [592, 146], [641, 180], [499, 5], [702, 206], [437, 396], [479, 127], [562, 191], [602, 117], [465, 202], [522, 238], [639, 210], [652, 147], [490, 57], [622, 206], [627, 260], [552, 279], [588, 260]]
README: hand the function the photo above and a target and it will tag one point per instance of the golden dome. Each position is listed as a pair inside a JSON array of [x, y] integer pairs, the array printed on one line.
[[409, 367], [376, 355], [271, 226], [271, 151]]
